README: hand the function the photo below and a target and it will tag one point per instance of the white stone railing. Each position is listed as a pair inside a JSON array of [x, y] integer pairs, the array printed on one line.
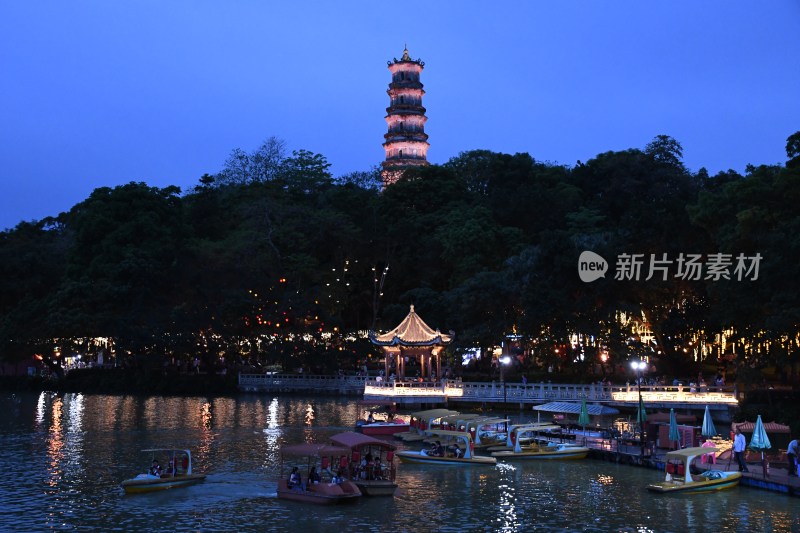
[[489, 391]]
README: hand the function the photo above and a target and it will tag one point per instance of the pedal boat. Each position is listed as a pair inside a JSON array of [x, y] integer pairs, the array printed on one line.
[[180, 476], [372, 480], [513, 437], [679, 478], [539, 449], [323, 493], [461, 438]]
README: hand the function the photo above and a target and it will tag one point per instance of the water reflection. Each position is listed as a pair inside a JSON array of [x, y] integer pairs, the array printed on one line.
[[80, 447]]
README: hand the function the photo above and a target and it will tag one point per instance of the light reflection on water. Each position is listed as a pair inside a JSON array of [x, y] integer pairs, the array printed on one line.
[[75, 449]]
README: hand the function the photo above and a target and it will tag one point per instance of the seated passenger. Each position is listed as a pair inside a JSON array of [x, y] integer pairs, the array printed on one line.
[[313, 476], [155, 469], [294, 482]]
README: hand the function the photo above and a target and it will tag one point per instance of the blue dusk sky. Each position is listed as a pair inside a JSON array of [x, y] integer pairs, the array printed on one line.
[[101, 93]]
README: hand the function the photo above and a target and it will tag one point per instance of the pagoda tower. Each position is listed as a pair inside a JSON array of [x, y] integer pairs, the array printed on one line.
[[406, 141]]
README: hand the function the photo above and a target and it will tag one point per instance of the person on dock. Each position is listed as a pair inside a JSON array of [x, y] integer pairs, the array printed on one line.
[[739, 445], [791, 456]]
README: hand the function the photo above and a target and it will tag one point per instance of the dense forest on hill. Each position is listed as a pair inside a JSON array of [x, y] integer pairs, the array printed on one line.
[[273, 261]]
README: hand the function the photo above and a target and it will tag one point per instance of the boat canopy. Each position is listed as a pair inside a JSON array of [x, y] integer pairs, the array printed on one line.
[[687, 454], [307, 449], [352, 440], [433, 413], [575, 408]]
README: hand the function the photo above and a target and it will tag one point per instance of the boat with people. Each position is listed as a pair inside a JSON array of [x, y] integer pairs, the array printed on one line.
[[380, 419], [370, 463], [457, 450], [176, 472], [310, 486], [679, 477]]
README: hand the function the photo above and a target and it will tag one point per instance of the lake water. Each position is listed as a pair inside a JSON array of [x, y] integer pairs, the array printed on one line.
[[64, 455]]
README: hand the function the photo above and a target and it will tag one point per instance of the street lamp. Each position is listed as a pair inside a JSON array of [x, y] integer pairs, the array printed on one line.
[[505, 360], [638, 367]]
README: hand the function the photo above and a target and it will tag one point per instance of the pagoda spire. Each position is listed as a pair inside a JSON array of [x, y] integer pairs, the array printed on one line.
[[406, 143]]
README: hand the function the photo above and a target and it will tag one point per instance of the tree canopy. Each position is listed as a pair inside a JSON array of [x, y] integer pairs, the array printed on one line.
[[272, 255]]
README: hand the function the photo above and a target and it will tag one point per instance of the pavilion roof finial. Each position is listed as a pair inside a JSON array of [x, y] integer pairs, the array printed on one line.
[[405, 57]]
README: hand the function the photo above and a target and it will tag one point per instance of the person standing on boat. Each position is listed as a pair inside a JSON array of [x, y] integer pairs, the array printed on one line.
[[791, 455], [739, 445]]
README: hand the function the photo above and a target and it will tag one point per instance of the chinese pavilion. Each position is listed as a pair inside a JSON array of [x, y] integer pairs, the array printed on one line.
[[412, 340], [406, 143]]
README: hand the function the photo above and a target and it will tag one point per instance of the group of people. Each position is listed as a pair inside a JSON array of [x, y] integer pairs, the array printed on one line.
[[155, 469], [295, 480], [370, 467]]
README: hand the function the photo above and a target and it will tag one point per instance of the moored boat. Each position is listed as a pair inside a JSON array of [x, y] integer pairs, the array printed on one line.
[[461, 439], [370, 465], [488, 431], [329, 491], [178, 472], [680, 479], [539, 449], [422, 421], [513, 438]]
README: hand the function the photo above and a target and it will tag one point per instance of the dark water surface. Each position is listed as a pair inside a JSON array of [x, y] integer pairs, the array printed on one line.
[[64, 455]]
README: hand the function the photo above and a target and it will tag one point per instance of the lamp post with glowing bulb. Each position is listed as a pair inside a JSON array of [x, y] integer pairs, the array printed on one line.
[[638, 367], [504, 361]]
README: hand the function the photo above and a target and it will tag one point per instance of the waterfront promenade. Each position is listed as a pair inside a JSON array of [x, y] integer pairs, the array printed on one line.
[[525, 396]]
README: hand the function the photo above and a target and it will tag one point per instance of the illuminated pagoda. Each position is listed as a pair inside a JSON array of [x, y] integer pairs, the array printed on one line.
[[406, 141], [413, 340]]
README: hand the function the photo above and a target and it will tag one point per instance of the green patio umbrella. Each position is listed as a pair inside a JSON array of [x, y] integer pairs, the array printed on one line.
[[583, 418], [708, 425], [760, 442], [674, 434]]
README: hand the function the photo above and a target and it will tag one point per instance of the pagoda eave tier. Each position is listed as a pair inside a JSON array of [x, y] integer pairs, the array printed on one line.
[[399, 342], [404, 164], [406, 137], [407, 87], [405, 110]]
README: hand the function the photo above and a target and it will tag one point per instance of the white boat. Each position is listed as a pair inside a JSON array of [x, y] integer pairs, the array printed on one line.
[[178, 472], [461, 439], [680, 479]]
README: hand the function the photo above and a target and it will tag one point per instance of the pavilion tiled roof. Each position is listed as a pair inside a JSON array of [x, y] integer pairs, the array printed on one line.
[[412, 331]]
